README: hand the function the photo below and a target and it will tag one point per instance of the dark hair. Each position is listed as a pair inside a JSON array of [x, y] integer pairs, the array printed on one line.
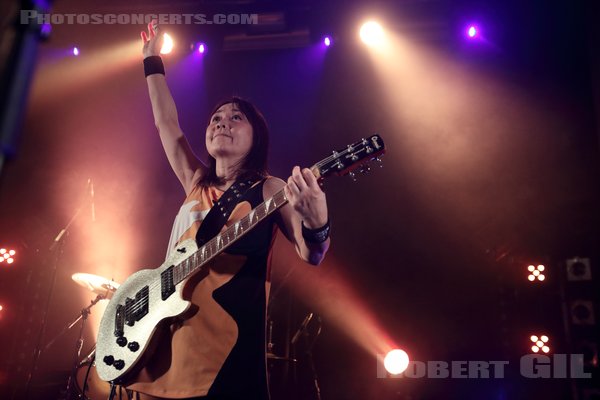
[[255, 162]]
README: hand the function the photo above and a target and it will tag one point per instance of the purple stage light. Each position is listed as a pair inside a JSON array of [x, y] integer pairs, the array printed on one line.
[[201, 48], [75, 51], [45, 30], [327, 41], [472, 31]]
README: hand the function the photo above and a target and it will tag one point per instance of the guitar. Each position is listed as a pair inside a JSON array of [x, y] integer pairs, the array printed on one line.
[[152, 297]]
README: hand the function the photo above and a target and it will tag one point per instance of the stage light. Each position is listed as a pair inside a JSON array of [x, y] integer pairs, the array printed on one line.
[[540, 343], [167, 46], [7, 255], [201, 48], [371, 33], [327, 41], [396, 361], [536, 273], [472, 31], [75, 51], [46, 30]]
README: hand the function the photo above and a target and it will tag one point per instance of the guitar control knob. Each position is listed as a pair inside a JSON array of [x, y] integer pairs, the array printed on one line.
[[108, 360], [122, 341], [119, 364], [133, 346]]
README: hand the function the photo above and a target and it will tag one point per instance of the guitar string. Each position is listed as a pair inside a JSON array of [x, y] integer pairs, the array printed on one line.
[[139, 305]]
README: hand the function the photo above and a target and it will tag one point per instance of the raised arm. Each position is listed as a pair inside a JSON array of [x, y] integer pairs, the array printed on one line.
[[307, 207], [188, 168]]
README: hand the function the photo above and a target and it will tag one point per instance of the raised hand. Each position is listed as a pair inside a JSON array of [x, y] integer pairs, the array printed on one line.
[[152, 40]]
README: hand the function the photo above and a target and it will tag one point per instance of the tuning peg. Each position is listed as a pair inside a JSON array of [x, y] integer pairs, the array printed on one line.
[[352, 176]]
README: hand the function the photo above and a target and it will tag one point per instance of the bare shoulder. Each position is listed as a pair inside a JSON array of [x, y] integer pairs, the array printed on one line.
[[272, 185]]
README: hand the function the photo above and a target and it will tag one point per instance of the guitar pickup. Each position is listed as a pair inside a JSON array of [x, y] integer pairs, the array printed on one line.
[[136, 309], [167, 287], [141, 303]]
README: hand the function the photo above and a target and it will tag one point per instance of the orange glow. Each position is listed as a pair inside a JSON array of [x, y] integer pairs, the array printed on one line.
[[535, 349], [531, 268], [541, 268], [531, 278], [49, 82], [167, 46], [439, 105], [544, 338], [541, 277], [325, 290], [534, 338]]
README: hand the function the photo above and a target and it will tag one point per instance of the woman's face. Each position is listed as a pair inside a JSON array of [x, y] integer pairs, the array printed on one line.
[[229, 133]]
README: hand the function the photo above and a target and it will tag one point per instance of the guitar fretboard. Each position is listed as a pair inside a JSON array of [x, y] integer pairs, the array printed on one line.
[[220, 242]]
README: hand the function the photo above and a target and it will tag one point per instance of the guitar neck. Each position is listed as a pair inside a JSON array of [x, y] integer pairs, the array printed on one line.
[[340, 163], [223, 240]]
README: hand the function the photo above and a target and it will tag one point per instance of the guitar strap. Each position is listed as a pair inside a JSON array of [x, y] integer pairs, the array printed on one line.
[[222, 209]]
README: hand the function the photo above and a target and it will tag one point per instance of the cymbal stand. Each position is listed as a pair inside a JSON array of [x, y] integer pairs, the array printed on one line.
[[83, 315], [309, 346]]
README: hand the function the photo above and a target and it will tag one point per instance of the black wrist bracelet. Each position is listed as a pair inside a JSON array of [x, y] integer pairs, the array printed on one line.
[[318, 235], [153, 65]]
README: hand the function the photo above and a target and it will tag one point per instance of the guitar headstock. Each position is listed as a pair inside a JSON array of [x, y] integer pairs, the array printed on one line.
[[354, 156]]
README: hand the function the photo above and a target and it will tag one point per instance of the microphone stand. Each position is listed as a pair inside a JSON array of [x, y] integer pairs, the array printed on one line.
[[57, 247]]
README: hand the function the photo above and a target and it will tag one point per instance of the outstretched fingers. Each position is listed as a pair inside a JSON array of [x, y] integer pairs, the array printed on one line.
[[152, 28]]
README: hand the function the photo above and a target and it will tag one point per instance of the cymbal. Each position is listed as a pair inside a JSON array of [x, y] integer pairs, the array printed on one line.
[[96, 283]]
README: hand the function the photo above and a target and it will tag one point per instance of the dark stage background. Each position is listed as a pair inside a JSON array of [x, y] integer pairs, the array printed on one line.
[[491, 164]]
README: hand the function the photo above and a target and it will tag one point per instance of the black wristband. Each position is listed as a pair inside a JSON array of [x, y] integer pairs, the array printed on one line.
[[153, 65], [318, 235]]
